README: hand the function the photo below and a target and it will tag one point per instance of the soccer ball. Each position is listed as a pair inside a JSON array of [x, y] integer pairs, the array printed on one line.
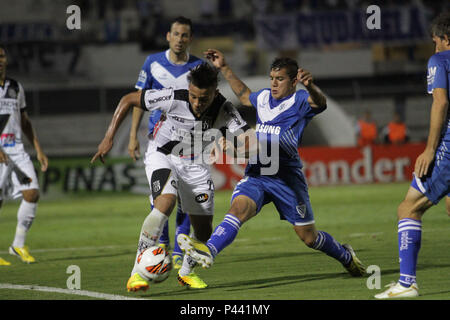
[[154, 264]]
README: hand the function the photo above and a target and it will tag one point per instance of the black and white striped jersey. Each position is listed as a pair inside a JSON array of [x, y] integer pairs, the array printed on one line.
[[183, 133], [12, 102]]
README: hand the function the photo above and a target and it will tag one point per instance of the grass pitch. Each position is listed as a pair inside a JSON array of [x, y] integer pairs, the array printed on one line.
[[98, 232]]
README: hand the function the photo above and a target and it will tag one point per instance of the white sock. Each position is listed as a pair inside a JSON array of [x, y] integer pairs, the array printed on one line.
[[151, 230], [187, 266], [25, 217]]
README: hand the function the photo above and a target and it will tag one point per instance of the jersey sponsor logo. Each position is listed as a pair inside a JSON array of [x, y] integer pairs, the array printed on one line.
[[431, 74], [159, 99], [142, 76], [8, 139], [8, 105], [203, 197], [265, 128]]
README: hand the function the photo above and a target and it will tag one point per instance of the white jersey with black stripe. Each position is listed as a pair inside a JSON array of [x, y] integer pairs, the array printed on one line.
[[182, 133], [12, 103]]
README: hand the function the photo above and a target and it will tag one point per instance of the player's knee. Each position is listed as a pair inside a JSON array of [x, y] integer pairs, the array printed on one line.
[[31, 195], [165, 203], [307, 234], [243, 208]]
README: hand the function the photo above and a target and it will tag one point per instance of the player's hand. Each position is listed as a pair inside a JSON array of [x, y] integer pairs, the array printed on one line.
[[43, 161], [216, 57], [134, 149], [103, 148], [305, 77], [3, 158], [423, 162]]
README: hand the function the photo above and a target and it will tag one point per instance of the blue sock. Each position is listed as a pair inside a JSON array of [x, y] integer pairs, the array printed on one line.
[[224, 234], [184, 227], [409, 239], [164, 238], [327, 244]]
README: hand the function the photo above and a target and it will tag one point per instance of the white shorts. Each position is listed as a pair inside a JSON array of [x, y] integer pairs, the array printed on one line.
[[192, 183], [9, 183]]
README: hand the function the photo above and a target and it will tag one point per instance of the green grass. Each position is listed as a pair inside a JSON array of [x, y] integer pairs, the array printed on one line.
[[99, 233]]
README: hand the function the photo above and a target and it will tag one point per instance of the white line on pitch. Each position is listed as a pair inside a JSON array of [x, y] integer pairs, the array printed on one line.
[[76, 248], [85, 293]]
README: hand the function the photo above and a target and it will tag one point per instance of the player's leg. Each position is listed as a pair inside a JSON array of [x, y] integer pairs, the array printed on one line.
[[162, 181], [183, 226], [3, 262], [196, 196], [202, 228], [27, 208], [324, 242], [291, 198], [246, 202], [3, 177], [409, 212]]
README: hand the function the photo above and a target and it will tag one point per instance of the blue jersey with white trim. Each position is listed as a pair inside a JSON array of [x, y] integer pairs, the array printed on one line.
[[438, 76], [159, 73], [280, 124]]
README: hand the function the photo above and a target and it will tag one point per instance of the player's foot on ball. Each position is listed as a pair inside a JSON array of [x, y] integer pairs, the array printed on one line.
[[22, 253], [198, 251], [396, 290], [136, 283], [177, 261], [3, 262], [191, 280], [355, 267]]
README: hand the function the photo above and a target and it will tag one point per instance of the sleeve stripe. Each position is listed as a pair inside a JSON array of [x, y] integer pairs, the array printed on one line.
[[143, 99]]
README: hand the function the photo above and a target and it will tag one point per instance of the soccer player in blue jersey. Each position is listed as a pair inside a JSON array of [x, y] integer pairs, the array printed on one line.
[[431, 181], [167, 69], [282, 114]]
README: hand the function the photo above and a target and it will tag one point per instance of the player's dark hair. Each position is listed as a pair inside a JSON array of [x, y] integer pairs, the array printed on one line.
[[289, 64], [203, 76], [440, 26], [183, 20]]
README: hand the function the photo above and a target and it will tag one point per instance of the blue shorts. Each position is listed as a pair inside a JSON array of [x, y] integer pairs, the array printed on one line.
[[436, 184], [289, 195]]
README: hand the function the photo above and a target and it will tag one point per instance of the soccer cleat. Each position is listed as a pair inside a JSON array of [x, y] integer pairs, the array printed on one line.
[[191, 280], [165, 246], [22, 253], [396, 290], [355, 267], [198, 251], [136, 283], [177, 261], [3, 262]]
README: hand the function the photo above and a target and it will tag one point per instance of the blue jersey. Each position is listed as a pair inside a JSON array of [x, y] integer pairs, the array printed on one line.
[[159, 72], [280, 124], [436, 184], [438, 76]]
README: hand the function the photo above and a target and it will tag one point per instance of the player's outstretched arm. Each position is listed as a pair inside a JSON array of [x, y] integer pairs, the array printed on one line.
[[437, 119], [125, 104], [316, 98], [239, 88], [29, 131], [133, 144]]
